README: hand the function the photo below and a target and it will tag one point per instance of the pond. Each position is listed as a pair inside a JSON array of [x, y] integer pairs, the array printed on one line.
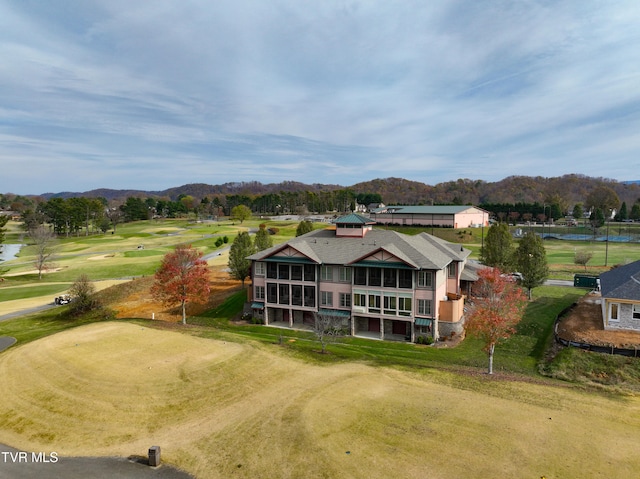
[[9, 251]]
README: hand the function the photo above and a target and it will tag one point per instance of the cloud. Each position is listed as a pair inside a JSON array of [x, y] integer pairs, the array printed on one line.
[[319, 92]]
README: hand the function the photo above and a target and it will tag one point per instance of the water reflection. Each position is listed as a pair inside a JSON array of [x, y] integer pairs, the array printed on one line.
[[9, 251]]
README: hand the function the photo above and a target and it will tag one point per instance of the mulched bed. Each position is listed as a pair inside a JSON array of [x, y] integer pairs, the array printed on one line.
[[583, 323]]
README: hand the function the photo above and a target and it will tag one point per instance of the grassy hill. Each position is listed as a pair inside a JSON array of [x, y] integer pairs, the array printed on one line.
[[222, 409]]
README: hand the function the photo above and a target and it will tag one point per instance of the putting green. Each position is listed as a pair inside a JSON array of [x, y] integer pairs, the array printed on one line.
[[221, 409]]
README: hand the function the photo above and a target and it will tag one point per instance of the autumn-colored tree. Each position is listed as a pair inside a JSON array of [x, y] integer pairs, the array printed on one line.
[[498, 306], [604, 198], [182, 277]]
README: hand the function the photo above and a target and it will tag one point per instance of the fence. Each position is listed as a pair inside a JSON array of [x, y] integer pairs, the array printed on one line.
[[586, 346]]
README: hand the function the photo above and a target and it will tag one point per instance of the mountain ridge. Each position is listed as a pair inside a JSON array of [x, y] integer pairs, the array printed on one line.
[[393, 190]]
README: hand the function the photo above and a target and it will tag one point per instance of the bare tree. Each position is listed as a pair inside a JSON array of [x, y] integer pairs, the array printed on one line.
[[45, 243], [82, 292], [582, 258], [328, 327]]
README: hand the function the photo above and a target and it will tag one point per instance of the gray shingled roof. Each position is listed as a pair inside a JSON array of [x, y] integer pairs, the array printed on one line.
[[622, 282], [421, 251]]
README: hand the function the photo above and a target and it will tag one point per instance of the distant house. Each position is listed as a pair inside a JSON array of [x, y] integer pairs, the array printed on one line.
[[620, 290], [383, 284], [441, 216]]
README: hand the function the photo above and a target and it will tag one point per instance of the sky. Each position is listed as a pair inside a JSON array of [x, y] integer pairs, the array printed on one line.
[[149, 95]]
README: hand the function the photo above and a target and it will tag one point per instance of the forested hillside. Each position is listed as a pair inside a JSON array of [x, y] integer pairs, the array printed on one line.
[[569, 189]]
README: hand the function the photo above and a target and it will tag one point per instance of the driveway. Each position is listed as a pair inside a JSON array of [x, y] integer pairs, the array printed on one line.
[[15, 464]]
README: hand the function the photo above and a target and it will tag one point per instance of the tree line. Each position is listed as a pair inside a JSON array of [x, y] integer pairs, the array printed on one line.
[[84, 215]]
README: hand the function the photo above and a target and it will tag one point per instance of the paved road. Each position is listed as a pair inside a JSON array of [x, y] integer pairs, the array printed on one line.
[[6, 341], [558, 282], [24, 312], [15, 464]]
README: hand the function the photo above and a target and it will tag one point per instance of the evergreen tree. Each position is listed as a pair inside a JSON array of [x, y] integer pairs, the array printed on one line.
[[262, 239], [623, 214], [597, 218], [304, 227], [239, 265], [498, 249], [578, 212], [3, 221], [635, 211], [531, 261]]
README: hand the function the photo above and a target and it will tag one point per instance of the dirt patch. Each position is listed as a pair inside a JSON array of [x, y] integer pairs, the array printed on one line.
[[34, 271], [100, 257], [141, 304], [583, 323]]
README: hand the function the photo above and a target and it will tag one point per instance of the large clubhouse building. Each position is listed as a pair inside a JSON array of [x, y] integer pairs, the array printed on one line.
[[440, 216], [383, 284]]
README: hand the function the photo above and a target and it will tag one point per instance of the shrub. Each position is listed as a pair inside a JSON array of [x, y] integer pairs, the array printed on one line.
[[83, 294], [424, 340]]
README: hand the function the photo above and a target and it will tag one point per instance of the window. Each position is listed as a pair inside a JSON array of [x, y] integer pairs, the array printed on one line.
[[360, 276], [404, 306], [272, 270], [296, 295], [452, 270], [326, 273], [345, 274], [283, 294], [259, 294], [425, 279], [405, 278], [345, 300], [614, 311], [636, 311], [374, 303], [296, 272], [360, 300], [260, 269], [272, 293], [326, 298], [309, 272], [310, 296], [389, 304], [390, 278], [424, 307], [375, 277], [283, 271]]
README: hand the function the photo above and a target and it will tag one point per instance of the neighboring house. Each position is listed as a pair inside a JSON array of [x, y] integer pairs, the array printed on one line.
[[620, 289], [384, 284], [442, 216]]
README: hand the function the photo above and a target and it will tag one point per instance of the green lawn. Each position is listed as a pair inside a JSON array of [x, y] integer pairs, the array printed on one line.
[[25, 292]]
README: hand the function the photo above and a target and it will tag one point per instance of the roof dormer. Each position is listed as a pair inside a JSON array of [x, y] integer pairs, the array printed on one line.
[[353, 226]]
